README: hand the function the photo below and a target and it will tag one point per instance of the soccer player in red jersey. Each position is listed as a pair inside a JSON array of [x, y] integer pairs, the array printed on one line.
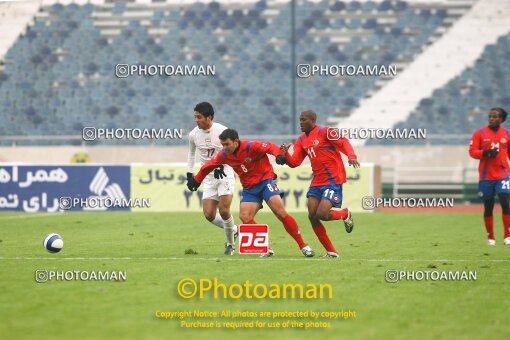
[[322, 146], [249, 160], [490, 145]]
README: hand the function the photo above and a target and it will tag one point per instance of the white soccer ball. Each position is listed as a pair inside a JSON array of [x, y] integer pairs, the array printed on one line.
[[53, 243]]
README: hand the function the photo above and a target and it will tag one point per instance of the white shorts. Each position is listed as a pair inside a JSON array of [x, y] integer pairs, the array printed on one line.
[[214, 188]]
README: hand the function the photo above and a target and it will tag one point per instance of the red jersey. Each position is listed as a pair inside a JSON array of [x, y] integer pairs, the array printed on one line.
[[250, 162], [327, 165], [496, 168]]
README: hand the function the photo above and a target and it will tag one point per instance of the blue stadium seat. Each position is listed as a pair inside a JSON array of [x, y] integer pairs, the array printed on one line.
[[385, 6], [119, 8], [353, 6], [213, 6], [257, 74], [261, 5], [445, 111]]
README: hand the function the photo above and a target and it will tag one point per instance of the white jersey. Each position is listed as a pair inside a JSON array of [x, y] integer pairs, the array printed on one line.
[[208, 144]]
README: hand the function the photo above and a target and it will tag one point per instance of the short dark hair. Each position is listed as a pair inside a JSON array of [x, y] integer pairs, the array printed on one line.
[[310, 114], [502, 112], [205, 109], [229, 134]]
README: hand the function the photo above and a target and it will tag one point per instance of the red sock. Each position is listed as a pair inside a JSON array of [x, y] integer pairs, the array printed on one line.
[[506, 225], [338, 214], [323, 237], [489, 226], [292, 228]]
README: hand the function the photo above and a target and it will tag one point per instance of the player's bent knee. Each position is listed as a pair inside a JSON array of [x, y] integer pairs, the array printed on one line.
[[224, 213], [321, 216], [245, 217], [210, 217], [314, 220], [209, 211]]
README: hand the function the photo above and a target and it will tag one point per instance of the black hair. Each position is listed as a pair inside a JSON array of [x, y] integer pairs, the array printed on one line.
[[502, 112], [229, 134], [310, 114], [205, 109]]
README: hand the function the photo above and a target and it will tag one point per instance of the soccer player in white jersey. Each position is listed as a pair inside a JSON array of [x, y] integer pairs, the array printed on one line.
[[218, 193]]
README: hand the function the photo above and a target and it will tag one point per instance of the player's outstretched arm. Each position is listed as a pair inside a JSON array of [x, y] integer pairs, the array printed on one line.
[[297, 157], [261, 148], [267, 147], [344, 146], [475, 150], [209, 166]]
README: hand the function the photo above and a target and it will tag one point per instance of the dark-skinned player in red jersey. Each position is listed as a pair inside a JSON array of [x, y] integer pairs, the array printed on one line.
[[490, 145], [323, 149], [249, 160]]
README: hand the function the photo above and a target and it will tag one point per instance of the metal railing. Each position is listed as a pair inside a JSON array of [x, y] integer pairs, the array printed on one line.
[[459, 183]]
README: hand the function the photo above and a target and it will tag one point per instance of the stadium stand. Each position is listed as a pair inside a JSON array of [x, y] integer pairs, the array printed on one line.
[[460, 106], [445, 61], [355, 33], [59, 74]]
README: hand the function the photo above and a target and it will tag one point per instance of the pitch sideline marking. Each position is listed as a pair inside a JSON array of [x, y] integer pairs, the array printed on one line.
[[16, 217], [237, 259]]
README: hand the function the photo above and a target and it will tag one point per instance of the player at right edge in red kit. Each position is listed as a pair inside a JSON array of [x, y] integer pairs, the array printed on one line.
[[490, 145], [322, 145]]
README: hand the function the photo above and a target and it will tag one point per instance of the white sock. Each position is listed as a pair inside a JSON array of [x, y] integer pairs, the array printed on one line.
[[229, 222], [218, 221], [229, 229]]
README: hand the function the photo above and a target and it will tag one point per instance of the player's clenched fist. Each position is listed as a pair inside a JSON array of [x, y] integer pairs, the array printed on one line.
[[490, 153], [281, 160], [192, 184]]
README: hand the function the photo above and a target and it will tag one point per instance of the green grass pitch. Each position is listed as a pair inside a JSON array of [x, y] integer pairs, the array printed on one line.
[[150, 248]]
